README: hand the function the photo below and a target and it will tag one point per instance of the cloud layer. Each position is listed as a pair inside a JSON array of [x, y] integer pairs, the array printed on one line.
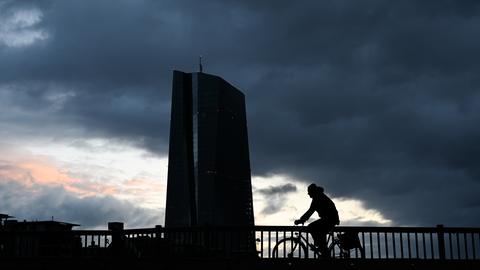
[[35, 189], [375, 101]]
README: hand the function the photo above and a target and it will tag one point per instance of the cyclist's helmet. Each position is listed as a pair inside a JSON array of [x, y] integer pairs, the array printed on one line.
[[312, 188]]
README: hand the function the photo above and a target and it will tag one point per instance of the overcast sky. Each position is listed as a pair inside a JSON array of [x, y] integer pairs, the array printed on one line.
[[376, 101]]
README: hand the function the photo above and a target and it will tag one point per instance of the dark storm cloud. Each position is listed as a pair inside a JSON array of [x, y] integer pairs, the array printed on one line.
[[388, 115], [374, 100], [275, 190], [274, 197]]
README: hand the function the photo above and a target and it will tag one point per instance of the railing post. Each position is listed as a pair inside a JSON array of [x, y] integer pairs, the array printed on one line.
[[117, 237], [441, 241], [158, 231]]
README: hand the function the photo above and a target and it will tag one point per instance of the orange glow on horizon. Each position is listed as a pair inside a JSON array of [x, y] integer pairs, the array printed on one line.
[[36, 172], [45, 173]]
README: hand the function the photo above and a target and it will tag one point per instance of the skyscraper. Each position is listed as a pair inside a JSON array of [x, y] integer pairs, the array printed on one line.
[[209, 180]]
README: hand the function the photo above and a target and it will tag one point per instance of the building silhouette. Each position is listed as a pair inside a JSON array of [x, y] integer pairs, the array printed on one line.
[[209, 181], [47, 238]]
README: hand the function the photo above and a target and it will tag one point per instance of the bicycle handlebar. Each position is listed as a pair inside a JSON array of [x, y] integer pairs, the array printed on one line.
[[302, 223]]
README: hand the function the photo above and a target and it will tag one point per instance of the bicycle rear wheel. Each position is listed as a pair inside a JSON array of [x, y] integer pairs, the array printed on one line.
[[355, 252], [350, 243], [290, 247], [337, 251]]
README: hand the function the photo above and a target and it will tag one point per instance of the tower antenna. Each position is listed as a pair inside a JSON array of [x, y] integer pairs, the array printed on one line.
[[200, 63]]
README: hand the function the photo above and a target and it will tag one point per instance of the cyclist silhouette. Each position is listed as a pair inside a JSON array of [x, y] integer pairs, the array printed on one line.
[[328, 214]]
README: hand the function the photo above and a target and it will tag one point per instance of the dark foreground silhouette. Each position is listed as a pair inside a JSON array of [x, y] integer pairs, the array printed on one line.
[[56, 245]]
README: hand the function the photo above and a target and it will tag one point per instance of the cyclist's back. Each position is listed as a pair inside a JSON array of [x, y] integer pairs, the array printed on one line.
[[325, 208]]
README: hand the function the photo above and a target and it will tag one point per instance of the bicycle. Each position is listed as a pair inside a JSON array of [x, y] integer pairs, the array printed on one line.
[[339, 246]]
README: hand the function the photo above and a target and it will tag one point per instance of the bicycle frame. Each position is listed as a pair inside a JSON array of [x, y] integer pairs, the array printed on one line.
[[299, 246]]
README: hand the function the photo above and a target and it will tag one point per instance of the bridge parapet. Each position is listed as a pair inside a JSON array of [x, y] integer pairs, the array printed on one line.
[[377, 243]]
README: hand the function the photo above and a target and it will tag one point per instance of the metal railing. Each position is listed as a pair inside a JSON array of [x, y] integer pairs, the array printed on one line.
[[425, 243], [393, 243]]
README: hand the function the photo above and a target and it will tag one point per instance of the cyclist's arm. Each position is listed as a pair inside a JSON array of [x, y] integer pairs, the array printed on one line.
[[307, 214]]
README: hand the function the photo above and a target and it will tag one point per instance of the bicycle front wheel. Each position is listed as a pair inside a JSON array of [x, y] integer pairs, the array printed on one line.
[[290, 247]]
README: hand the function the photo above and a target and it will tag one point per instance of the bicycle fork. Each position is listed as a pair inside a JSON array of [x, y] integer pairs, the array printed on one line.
[[294, 247]]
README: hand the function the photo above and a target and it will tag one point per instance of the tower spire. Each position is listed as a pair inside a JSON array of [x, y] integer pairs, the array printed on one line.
[[200, 63]]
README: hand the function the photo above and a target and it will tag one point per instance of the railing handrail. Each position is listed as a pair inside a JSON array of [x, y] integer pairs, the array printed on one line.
[[380, 229], [337, 228]]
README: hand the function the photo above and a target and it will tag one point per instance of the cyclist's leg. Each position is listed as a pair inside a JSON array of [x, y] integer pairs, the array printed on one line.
[[314, 228], [319, 230]]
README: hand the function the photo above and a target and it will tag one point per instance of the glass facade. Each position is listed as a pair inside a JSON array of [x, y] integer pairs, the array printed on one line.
[[209, 181]]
